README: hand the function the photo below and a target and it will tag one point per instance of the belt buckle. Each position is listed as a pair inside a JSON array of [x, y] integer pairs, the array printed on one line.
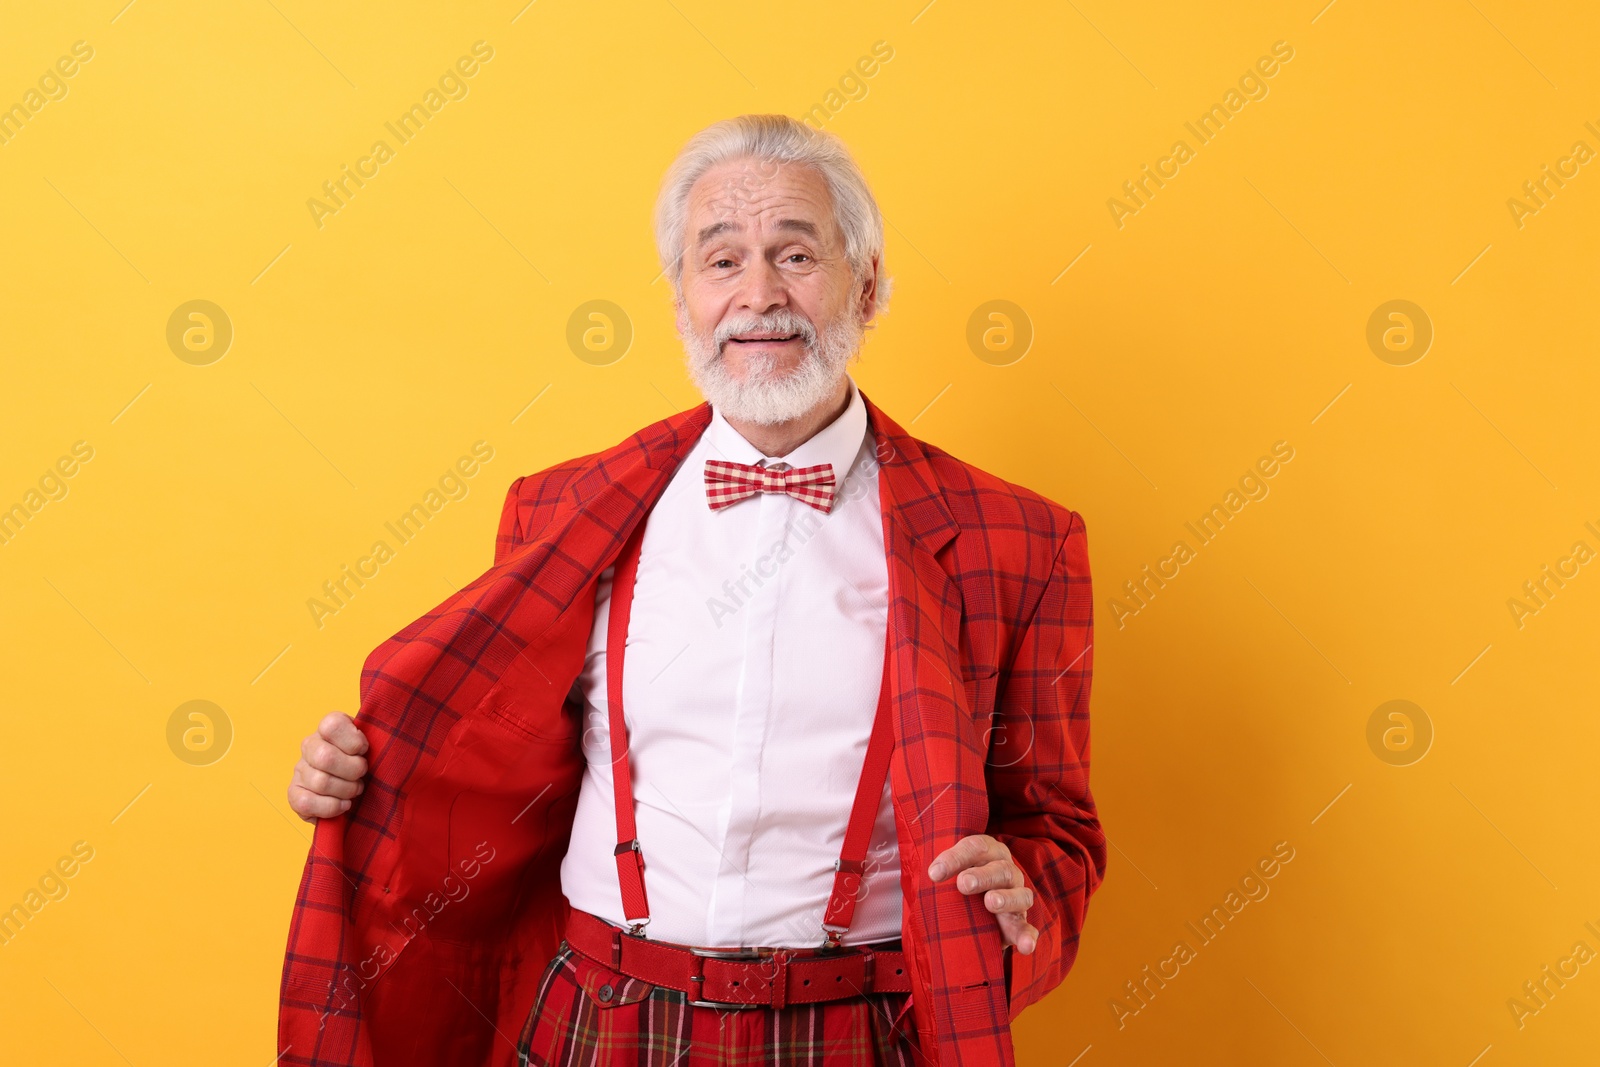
[[728, 954], [748, 955]]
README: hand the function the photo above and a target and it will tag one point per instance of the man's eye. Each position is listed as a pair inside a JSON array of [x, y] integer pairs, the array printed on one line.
[[723, 263], [800, 256]]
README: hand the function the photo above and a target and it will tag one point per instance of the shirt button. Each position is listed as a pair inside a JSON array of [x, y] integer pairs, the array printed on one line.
[[606, 993]]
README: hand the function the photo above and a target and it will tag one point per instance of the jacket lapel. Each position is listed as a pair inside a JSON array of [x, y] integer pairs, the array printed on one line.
[[925, 624], [937, 770]]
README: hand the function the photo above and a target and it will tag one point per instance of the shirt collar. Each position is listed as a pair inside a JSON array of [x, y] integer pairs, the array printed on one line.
[[836, 443]]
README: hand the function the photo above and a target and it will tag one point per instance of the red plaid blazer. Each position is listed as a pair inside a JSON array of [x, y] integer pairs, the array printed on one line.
[[427, 913]]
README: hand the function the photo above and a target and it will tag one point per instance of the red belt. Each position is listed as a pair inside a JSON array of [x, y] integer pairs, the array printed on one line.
[[741, 978]]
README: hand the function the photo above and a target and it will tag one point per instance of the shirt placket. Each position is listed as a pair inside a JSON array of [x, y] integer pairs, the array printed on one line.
[[753, 707]]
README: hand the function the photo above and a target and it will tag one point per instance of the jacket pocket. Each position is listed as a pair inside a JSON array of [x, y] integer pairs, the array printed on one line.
[[980, 687], [978, 690], [1008, 739]]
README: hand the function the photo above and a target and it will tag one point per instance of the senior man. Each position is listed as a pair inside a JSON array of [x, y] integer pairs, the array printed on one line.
[[764, 740]]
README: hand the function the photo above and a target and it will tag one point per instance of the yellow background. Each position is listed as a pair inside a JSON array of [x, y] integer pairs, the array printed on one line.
[[1224, 316]]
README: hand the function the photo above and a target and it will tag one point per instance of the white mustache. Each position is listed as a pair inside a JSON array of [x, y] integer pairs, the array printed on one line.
[[780, 323]]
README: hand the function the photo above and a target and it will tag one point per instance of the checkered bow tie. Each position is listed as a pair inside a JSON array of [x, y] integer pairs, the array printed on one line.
[[728, 483]]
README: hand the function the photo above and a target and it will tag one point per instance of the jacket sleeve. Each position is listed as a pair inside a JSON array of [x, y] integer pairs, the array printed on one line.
[[427, 911], [1040, 803], [509, 534]]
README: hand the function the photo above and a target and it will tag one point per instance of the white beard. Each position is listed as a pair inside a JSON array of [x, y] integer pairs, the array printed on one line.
[[765, 395]]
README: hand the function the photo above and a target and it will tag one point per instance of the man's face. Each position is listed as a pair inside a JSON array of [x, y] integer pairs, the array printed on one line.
[[771, 312]]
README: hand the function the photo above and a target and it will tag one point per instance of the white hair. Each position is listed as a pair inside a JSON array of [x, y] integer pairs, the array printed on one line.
[[773, 140]]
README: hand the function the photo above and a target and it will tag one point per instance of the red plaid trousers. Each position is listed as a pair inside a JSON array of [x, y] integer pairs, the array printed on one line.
[[586, 1013]]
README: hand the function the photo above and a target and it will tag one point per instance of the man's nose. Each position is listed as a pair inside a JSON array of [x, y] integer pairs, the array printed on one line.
[[763, 288]]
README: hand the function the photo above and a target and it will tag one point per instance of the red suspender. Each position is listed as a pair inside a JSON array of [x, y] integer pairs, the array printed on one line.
[[851, 866], [630, 861]]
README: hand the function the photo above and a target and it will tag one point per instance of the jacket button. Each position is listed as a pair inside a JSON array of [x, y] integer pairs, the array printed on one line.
[[606, 993]]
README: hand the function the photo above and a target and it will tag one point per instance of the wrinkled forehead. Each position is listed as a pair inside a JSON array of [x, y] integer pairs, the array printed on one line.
[[760, 195]]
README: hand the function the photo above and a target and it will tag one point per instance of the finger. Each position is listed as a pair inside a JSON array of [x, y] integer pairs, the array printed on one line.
[[310, 806], [979, 848], [1014, 901], [325, 784], [1019, 933], [1000, 874], [341, 729], [328, 758]]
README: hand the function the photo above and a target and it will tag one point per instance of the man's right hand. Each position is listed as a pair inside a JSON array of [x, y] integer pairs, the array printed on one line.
[[330, 770]]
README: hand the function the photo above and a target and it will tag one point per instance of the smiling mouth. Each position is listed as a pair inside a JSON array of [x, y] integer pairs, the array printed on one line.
[[765, 339]]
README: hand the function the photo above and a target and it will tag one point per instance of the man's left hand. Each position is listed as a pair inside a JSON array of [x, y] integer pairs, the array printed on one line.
[[980, 864]]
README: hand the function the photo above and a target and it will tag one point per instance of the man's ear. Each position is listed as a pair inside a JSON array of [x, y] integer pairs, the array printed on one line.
[[868, 302], [681, 313]]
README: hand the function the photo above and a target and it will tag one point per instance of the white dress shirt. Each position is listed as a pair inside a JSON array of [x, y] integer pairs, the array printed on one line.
[[755, 654]]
